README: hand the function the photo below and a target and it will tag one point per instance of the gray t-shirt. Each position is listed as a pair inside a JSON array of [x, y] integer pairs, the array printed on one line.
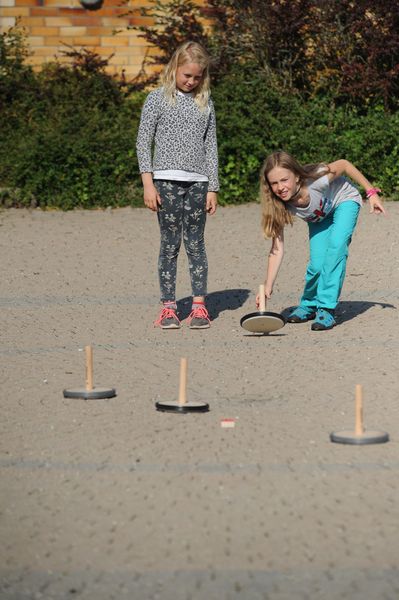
[[324, 197]]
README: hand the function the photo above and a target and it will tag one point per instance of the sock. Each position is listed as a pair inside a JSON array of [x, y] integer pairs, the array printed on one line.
[[198, 305], [170, 304]]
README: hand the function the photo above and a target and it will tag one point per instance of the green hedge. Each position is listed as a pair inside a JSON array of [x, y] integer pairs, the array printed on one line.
[[255, 119], [72, 146], [68, 135], [84, 158]]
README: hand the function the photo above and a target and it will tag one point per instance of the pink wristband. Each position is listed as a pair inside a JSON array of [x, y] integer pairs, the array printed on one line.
[[372, 191]]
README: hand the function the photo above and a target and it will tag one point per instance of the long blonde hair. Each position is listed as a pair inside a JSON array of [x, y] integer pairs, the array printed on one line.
[[188, 52], [275, 213]]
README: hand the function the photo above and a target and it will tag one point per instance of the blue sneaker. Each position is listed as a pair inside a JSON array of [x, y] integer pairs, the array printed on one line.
[[301, 315], [324, 320]]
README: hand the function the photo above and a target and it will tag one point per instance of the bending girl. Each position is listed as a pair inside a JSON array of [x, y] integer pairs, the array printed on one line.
[[330, 203]]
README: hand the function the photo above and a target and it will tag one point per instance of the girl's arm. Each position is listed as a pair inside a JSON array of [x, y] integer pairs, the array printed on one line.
[[211, 151], [151, 197], [146, 131], [344, 167], [145, 137], [273, 264], [211, 202]]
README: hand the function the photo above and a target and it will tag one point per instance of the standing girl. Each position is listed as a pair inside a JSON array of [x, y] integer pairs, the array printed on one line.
[[181, 181], [330, 204]]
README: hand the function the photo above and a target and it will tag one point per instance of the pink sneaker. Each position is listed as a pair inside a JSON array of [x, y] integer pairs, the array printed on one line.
[[168, 319], [199, 318]]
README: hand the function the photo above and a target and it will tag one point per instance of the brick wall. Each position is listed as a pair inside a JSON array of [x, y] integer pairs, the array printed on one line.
[[50, 23]]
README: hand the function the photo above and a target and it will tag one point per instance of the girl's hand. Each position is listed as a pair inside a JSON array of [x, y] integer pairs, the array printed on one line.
[[152, 199], [268, 294], [211, 202], [376, 205]]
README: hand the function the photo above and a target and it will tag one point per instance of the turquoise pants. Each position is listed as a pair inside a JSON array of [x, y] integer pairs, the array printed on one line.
[[329, 243]]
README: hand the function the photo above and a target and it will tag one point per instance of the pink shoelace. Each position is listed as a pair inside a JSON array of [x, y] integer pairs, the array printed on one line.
[[166, 313], [199, 312]]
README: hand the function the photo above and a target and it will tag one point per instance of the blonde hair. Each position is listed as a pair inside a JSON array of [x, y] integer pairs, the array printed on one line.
[[275, 213], [188, 52]]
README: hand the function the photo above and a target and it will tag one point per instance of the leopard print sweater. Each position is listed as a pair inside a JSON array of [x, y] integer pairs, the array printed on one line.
[[185, 137]]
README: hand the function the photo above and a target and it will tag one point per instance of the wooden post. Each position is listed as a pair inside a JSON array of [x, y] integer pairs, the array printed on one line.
[[359, 430], [89, 368], [183, 382], [262, 299]]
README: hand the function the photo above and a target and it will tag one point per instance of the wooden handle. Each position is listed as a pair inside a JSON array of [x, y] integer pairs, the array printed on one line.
[[89, 368], [183, 381], [359, 430], [262, 298]]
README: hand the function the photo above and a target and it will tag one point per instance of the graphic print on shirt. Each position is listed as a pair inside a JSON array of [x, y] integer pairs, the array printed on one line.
[[319, 213]]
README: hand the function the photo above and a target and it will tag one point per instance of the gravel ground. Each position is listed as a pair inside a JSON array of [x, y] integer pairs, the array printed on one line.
[[105, 499]]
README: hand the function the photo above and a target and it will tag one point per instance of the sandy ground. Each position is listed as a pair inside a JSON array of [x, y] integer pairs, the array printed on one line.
[[107, 499]]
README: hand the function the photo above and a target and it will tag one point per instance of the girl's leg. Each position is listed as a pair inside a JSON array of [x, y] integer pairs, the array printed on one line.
[[318, 242], [329, 241], [194, 220], [170, 218], [193, 235], [334, 264]]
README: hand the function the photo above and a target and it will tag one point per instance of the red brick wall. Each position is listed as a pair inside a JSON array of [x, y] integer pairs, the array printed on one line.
[[49, 23]]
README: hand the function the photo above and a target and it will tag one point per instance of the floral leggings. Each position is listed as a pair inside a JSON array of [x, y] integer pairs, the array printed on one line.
[[183, 212]]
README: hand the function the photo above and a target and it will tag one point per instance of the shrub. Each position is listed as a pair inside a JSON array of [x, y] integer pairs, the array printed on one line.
[[68, 132], [68, 137], [254, 119]]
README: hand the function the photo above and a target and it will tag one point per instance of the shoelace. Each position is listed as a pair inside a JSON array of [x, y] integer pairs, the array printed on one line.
[[166, 313], [199, 312]]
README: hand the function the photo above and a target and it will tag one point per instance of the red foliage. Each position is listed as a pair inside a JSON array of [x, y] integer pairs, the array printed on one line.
[[348, 49]]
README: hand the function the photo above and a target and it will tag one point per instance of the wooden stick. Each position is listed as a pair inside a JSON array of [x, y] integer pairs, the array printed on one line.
[[262, 299], [89, 368], [359, 430], [183, 382]]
